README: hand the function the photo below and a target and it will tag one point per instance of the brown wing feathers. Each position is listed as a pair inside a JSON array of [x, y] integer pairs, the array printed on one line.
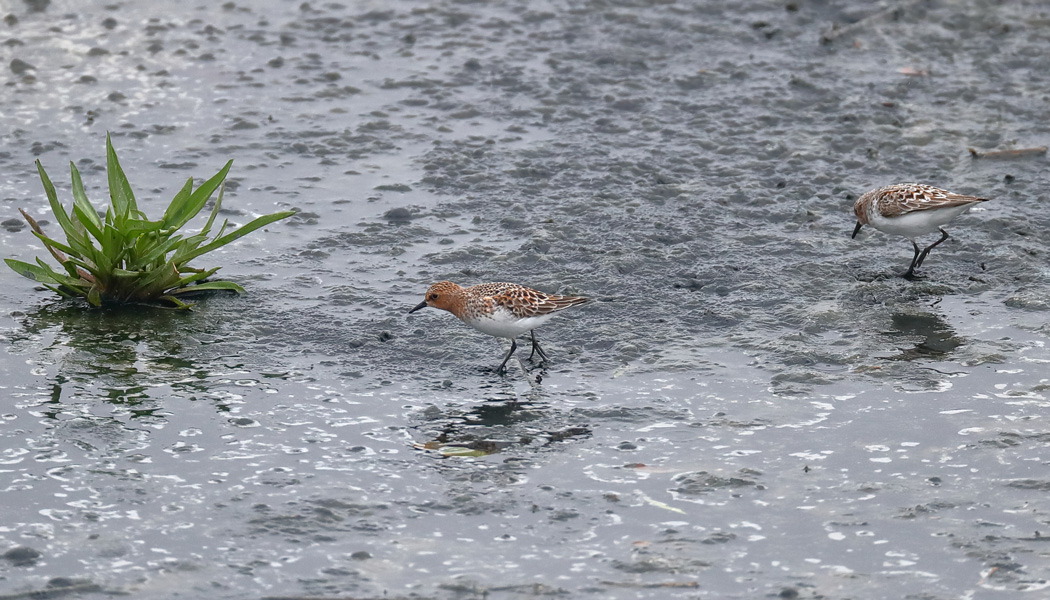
[[526, 302], [902, 199]]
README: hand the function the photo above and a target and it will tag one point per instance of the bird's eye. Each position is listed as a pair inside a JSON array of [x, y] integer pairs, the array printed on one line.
[[433, 297]]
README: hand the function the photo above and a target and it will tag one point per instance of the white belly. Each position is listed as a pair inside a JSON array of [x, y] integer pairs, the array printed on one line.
[[503, 324], [914, 224]]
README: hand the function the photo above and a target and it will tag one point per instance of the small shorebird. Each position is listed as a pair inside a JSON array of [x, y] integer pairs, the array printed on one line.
[[504, 310], [911, 210]]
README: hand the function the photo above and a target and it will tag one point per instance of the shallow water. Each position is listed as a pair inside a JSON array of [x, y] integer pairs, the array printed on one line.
[[755, 405]]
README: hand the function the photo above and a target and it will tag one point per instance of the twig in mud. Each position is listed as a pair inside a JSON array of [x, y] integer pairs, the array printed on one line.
[[669, 584], [56, 591], [984, 579], [1008, 153], [533, 589], [340, 598], [836, 32]]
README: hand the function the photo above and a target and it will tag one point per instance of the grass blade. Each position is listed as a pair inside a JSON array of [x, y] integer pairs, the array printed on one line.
[[113, 245], [215, 211], [73, 251], [29, 271], [211, 285], [75, 281], [181, 284], [156, 282], [120, 193], [135, 227], [186, 247], [179, 214], [88, 221], [62, 291], [179, 207], [52, 197], [55, 245], [159, 251], [86, 213], [243, 231]]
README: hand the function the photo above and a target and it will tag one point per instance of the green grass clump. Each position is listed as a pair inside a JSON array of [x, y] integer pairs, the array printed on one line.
[[126, 258]]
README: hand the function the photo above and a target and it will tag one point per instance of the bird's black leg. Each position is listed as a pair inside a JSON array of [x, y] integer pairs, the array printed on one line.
[[536, 347], [503, 365], [922, 257], [914, 262]]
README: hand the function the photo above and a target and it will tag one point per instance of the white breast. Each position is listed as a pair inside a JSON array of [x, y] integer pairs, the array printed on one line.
[[502, 323]]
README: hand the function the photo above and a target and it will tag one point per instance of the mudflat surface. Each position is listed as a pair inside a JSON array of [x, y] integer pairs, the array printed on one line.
[[755, 405]]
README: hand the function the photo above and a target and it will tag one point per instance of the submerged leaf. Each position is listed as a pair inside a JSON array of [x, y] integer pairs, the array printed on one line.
[[61, 291], [179, 304], [94, 296]]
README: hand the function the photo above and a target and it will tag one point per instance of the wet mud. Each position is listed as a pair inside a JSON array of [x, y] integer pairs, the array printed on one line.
[[754, 404]]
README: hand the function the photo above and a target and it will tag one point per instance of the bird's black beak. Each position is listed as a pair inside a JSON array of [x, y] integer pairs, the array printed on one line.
[[855, 232], [422, 304]]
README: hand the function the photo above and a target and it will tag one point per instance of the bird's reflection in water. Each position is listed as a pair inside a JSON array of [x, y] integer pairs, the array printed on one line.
[[936, 337], [495, 426]]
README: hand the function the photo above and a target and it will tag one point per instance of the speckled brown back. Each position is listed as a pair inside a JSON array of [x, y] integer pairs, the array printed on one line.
[[903, 198], [521, 301]]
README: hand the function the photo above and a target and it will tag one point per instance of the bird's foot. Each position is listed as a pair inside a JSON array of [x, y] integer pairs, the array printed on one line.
[[912, 276]]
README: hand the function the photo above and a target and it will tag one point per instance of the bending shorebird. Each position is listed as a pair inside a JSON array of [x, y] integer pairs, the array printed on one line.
[[911, 210], [504, 310]]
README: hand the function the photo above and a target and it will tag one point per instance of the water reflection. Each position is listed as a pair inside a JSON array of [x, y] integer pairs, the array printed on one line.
[[117, 354], [937, 337], [496, 425], [499, 414]]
